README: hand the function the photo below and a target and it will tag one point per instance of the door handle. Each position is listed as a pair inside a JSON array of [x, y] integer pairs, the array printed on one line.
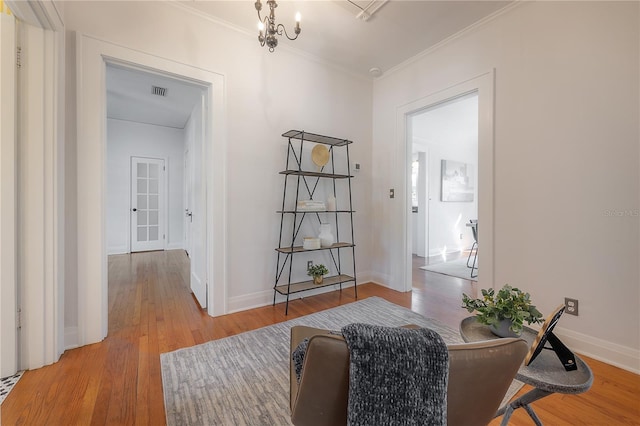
[[134, 209]]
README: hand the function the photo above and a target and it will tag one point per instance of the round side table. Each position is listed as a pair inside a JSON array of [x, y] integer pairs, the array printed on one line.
[[545, 373]]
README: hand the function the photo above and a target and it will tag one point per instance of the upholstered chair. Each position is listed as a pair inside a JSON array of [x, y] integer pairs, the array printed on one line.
[[480, 374]]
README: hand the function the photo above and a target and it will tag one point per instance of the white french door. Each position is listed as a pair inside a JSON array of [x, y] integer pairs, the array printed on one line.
[[147, 204]]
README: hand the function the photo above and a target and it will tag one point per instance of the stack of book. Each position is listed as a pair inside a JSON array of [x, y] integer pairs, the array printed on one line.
[[311, 206], [310, 243]]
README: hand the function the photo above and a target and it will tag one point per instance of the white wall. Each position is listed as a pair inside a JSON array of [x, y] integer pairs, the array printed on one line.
[[566, 158], [267, 94], [448, 219], [127, 139]]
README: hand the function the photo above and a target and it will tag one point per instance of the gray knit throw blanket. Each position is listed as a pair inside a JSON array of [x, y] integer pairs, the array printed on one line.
[[397, 376]]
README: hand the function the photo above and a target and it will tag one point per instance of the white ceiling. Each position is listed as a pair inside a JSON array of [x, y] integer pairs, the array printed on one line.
[[397, 31], [455, 121], [130, 98]]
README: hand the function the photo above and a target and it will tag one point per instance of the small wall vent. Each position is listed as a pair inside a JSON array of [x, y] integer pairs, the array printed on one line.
[[160, 91]]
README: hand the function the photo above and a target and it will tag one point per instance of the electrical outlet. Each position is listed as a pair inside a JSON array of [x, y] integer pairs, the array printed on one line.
[[309, 264], [571, 306], [460, 236]]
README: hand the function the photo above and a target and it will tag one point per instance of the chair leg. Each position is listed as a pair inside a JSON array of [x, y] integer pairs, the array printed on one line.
[[473, 247], [474, 267]]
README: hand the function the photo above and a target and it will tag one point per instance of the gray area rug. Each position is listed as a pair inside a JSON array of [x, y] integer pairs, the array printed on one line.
[[244, 379], [455, 268]]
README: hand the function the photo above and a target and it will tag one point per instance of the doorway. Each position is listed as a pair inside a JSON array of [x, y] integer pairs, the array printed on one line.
[[483, 86], [444, 134], [93, 56], [152, 120]]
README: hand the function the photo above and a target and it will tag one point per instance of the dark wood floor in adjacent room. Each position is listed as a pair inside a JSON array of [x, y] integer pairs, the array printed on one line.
[[151, 311]]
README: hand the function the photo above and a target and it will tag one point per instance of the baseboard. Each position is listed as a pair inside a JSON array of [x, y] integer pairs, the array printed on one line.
[[438, 252], [380, 279], [612, 353], [364, 277], [117, 250], [249, 301], [125, 249], [70, 338]]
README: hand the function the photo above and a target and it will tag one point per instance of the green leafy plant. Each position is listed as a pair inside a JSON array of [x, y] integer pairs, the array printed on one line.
[[508, 303], [317, 270]]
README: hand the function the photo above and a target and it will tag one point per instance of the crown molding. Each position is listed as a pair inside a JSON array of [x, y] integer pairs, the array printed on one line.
[[39, 13], [471, 28]]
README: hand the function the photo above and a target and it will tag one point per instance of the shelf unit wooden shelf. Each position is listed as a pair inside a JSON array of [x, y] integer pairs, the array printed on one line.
[[344, 272], [314, 211], [299, 249], [314, 174], [310, 285]]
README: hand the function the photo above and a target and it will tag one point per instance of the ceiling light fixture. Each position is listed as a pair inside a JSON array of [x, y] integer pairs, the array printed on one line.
[[375, 72], [268, 30]]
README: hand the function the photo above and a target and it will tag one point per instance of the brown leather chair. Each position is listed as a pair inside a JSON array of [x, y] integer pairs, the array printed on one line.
[[479, 375]]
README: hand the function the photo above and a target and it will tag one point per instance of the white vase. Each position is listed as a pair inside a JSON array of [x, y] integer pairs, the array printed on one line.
[[326, 237], [331, 204]]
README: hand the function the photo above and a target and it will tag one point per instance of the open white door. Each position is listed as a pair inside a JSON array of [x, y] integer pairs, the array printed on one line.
[[188, 215], [147, 204], [197, 205]]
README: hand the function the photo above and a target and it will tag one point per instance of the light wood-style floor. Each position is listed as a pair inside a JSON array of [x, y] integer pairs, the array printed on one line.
[[152, 311]]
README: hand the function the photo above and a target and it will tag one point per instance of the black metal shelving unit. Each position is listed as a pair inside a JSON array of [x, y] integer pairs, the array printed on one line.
[[307, 179]]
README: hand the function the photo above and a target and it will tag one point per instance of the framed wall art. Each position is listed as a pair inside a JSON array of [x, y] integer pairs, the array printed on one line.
[[457, 181]]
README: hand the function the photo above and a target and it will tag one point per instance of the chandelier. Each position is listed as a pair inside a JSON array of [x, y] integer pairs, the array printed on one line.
[[268, 28]]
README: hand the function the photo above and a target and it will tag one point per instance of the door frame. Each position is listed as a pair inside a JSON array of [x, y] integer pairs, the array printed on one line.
[[484, 86], [38, 266], [92, 57], [8, 194]]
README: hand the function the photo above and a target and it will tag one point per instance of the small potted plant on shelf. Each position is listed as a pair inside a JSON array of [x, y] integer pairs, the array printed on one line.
[[317, 272], [505, 311]]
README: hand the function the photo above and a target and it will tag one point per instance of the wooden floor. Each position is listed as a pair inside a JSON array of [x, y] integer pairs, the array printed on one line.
[[152, 311]]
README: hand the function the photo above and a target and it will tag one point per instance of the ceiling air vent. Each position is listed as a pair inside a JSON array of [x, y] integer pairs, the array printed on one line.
[[160, 91]]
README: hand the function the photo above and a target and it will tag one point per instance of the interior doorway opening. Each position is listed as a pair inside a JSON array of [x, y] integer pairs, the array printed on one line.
[[93, 56], [483, 87], [444, 175], [154, 121]]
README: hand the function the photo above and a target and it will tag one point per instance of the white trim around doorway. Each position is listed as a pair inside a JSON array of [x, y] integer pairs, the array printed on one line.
[[92, 57], [484, 86]]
